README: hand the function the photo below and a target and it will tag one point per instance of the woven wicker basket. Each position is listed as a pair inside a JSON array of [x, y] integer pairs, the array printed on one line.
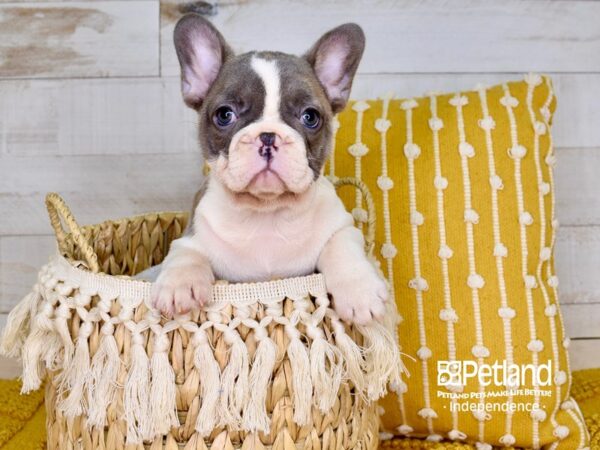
[[264, 365]]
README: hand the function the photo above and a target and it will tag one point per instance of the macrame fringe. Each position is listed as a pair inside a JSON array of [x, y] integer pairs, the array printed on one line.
[[52, 354], [234, 381], [208, 368], [61, 326], [382, 360], [163, 391], [18, 324], [353, 357], [72, 381], [326, 372], [136, 395], [302, 383], [39, 331], [255, 413], [390, 329], [102, 379], [39, 347]]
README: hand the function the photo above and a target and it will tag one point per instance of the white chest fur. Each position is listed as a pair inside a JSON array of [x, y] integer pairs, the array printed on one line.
[[245, 245]]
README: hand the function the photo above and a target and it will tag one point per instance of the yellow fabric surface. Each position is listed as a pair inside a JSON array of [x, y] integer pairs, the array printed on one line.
[[465, 231], [22, 418]]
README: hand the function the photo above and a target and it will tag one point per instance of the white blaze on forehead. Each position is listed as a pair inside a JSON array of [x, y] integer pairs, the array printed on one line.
[[269, 74]]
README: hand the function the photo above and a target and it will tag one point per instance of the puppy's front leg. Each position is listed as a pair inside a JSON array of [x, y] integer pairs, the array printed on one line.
[[359, 293], [185, 281]]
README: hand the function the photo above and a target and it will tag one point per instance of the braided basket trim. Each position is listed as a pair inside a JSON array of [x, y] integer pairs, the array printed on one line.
[[134, 292]]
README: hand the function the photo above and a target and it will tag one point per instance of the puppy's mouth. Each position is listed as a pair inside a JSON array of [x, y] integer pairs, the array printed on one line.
[[259, 198], [267, 184], [265, 191], [265, 201]]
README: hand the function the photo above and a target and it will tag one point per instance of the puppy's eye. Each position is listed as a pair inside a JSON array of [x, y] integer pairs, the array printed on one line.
[[224, 116], [310, 118]]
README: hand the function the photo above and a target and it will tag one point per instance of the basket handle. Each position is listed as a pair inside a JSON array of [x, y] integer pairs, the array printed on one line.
[[368, 198], [58, 211]]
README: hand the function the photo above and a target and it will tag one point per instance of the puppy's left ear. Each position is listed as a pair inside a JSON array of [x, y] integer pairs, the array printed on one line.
[[334, 59], [201, 50]]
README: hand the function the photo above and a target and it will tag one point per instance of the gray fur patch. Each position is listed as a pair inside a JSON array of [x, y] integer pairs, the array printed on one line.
[[240, 87]]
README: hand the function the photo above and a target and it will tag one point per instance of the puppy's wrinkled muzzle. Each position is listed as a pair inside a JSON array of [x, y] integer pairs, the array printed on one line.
[[266, 159]]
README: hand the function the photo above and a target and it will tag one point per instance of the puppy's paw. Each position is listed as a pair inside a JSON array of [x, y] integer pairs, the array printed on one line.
[[178, 290], [359, 298]]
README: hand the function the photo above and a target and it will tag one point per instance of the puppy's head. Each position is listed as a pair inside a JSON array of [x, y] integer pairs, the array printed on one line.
[[265, 117]]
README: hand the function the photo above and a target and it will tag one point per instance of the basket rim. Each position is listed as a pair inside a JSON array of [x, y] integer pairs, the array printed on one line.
[[124, 219], [236, 294]]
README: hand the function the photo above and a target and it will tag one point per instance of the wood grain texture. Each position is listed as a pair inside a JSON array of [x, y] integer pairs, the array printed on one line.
[[407, 36], [9, 368], [63, 1], [582, 321], [585, 354], [147, 115], [578, 264], [79, 39], [20, 260], [578, 186], [95, 117], [96, 187]]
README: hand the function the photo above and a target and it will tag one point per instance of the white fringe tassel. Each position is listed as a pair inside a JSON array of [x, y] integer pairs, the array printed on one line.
[[302, 383], [352, 355], [73, 378], [52, 352], [234, 381], [325, 370], [255, 413], [102, 379], [382, 358], [137, 393], [18, 324], [163, 391], [61, 326], [40, 343], [210, 374]]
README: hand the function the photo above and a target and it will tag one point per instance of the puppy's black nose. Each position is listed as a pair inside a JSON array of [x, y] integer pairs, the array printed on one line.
[[267, 139]]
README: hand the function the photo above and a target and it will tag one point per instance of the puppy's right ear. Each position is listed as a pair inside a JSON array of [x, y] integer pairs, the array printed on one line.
[[202, 51]]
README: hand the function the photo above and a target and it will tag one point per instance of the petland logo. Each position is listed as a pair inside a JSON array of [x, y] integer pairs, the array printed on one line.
[[458, 373]]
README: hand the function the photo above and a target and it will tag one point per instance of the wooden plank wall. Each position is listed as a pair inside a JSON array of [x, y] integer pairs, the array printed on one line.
[[90, 107]]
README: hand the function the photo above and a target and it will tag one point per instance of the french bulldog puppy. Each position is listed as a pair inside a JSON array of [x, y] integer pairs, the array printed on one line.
[[266, 211]]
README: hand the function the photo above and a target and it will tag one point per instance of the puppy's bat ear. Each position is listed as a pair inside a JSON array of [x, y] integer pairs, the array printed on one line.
[[201, 50], [334, 59]]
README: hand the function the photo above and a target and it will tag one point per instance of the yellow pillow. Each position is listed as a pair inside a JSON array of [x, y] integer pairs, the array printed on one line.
[[465, 233]]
